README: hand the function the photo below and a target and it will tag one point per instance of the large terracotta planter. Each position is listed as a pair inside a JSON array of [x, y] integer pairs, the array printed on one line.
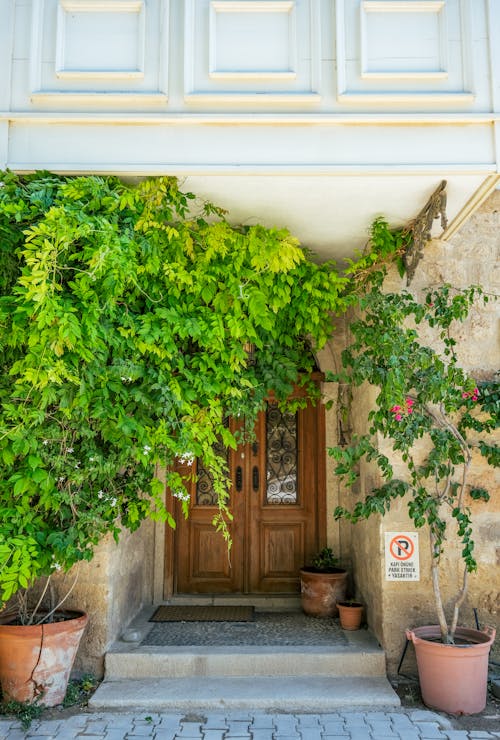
[[453, 678], [350, 614], [36, 661], [320, 591]]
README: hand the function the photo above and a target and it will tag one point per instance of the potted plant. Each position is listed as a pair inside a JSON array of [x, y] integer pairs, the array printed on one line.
[[350, 614], [434, 418], [322, 585], [38, 647]]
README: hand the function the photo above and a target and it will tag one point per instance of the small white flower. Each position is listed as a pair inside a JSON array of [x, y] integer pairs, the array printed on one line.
[[113, 502], [56, 566], [77, 465], [146, 449], [100, 494], [46, 441], [69, 450], [61, 479], [91, 459]]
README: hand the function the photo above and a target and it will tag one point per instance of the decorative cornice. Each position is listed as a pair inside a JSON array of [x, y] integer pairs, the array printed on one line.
[[421, 226]]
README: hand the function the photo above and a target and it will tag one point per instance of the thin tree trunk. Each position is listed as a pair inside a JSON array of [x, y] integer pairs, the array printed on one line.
[[443, 625], [458, 603]]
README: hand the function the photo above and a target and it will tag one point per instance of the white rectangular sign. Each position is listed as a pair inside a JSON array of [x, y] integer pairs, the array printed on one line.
[[401, 556]]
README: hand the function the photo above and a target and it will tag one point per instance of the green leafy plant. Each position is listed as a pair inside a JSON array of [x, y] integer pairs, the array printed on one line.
[[126, 313], [433, 415], [25, 712], [325, 560], [79, 690]]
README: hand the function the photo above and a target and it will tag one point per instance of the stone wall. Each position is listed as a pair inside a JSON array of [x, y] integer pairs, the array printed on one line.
[[111, 589], [471, 256]]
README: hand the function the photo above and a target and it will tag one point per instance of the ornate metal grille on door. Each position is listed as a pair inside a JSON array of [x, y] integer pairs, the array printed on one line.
[[281, 456], [205, 494]]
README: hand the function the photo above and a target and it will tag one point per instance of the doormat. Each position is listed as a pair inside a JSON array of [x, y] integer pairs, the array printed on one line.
[[203, 614]]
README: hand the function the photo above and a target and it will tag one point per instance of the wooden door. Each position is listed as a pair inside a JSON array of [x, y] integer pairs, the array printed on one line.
[[277, 500]]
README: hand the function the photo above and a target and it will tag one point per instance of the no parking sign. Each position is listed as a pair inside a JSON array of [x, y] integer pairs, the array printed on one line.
[[401, 556]]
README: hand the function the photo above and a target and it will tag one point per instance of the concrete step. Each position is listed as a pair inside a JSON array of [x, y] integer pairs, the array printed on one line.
[[361, 659], [265, 693]]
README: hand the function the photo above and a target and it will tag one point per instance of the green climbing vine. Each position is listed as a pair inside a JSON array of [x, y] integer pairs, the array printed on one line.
[[125, 313]]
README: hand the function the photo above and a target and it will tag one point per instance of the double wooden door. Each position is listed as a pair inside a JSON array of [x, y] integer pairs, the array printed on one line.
[[277, 500]]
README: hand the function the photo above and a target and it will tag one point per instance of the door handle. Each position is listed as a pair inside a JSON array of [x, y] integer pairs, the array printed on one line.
[[255, 478], [239, 478]]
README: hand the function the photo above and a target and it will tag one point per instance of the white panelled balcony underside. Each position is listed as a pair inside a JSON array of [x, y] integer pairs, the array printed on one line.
[[312, 114]]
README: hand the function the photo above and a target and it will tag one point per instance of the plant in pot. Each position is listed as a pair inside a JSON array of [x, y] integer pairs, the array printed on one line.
[[125, 319], [350, 614], [436, 422], [322, 585]]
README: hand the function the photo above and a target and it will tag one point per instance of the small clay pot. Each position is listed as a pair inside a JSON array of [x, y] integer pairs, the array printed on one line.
[[350, 613]]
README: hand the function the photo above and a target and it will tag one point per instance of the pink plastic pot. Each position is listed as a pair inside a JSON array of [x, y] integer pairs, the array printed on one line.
[[453, 678]]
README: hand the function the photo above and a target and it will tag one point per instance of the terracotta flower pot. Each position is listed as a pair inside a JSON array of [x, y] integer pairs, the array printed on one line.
[[350, 614], [453, 678], [320, 591], [36, 660]]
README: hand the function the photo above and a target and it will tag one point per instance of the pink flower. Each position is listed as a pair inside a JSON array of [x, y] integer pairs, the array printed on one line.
[[409, 402], [465, 395], [395, 409], [398, 417]]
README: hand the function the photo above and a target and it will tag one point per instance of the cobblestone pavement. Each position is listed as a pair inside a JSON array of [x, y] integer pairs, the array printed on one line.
[[352, 725]]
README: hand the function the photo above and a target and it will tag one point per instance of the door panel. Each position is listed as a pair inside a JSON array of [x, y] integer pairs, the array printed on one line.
[[277, 488]]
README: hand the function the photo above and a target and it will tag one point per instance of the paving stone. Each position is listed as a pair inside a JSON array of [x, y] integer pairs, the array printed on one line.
[[97, 725], [430, 729], [311, 733], [479, 733], [335, 727], [213, 734], [425, 715], [360, 733], [190, 729], [238, 729], [409, 734], [215, 722], [308, 720], [115, 734], [164, 735], [262, 722], [285, 725], [456, 734], [168, 723], [262, 733]]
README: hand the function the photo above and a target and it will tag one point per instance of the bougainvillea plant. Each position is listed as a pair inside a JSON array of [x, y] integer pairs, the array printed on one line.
[[433, 415], [126, 311]]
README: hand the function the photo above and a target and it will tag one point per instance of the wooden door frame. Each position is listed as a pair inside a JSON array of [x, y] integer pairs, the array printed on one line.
[[164, 549]]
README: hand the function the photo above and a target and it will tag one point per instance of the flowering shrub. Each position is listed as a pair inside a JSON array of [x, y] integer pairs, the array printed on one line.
[[423, 394]]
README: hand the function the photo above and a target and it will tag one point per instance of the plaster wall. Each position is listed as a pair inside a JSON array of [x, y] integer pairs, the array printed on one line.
[[472, 255]]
